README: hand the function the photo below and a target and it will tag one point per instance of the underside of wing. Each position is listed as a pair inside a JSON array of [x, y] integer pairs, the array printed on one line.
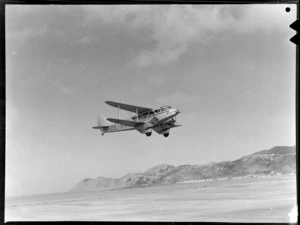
[[125, 122], [131, 108]]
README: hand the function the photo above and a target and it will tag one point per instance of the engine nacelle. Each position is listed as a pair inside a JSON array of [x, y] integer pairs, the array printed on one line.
[[145, 131], [143, 128], [165, 131]]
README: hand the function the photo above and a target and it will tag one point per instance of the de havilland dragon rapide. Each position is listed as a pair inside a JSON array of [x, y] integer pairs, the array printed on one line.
[[145, 120]]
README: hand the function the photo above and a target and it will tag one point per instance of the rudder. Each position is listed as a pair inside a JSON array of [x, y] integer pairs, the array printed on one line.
[[102, 121]]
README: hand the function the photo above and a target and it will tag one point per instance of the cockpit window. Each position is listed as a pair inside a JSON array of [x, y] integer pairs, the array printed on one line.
[[151, 113], [157, 110]]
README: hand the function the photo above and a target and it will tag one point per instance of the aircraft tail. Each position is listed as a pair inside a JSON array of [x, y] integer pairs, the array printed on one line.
[[102, 122]]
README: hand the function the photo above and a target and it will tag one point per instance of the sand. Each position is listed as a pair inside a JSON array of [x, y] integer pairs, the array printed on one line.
[[268, 199]]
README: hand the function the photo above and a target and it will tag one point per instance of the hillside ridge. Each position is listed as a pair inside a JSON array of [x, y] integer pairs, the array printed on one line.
[[277, 160]]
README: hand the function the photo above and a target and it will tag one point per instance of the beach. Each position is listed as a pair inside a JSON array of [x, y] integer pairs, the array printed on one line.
[[264, 199]]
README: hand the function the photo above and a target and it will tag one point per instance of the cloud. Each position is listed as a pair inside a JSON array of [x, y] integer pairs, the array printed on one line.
[[151, 83], [83, 40], [266, 18], [176, 98], [64, 88], [21, 36], [24, 22], [175, 28], [159, 56], [156, 80], [171, 30], [113, 14]]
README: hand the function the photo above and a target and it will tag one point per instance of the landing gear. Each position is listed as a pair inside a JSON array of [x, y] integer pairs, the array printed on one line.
[[166, 134], [149, 134]]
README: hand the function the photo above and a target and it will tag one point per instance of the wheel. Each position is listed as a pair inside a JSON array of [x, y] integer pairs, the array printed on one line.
[[149, 134], [166, 135]]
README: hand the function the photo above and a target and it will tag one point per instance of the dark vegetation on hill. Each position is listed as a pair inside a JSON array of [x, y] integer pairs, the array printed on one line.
[[277, 160]]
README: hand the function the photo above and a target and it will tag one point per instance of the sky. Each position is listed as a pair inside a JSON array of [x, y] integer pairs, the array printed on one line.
[[229, 69]]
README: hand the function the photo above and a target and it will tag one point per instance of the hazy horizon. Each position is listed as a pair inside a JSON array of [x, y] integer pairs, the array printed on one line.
[[230, 70], [67, 191]]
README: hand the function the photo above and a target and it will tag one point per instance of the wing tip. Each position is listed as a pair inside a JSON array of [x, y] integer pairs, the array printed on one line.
[[178, 125]]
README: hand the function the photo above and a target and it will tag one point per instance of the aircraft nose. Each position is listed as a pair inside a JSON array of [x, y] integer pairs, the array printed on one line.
[[178, 111]]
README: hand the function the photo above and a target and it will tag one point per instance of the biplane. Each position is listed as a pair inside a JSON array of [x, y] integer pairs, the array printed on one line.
[[144, 120]]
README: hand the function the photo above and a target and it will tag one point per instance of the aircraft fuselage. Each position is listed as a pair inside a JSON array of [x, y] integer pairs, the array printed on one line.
[[160, 120]]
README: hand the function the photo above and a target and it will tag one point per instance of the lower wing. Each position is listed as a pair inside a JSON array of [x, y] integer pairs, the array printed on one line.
[[125, 122]]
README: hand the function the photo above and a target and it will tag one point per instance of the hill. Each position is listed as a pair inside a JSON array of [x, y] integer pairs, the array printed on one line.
[[279, 159]]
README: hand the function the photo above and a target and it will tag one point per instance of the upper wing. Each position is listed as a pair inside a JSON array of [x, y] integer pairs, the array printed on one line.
[[131, 108], [125, 122]]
